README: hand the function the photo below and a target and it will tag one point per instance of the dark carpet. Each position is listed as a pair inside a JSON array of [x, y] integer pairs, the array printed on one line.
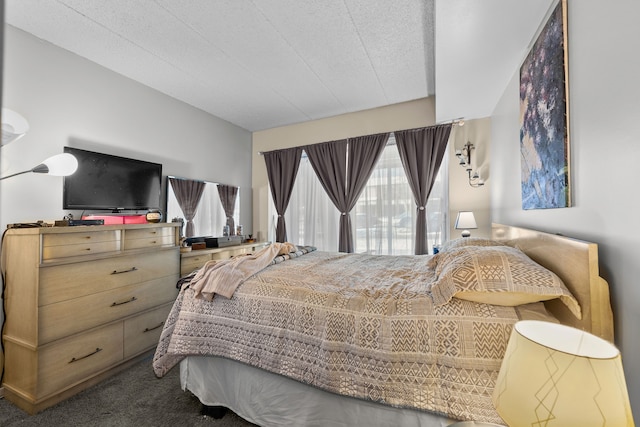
[[134, 397]]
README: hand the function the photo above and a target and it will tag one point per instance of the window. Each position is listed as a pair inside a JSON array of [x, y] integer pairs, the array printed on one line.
[[383, 219]]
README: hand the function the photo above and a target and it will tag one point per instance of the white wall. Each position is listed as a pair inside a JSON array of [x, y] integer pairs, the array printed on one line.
[[604, 39], [69, 100]]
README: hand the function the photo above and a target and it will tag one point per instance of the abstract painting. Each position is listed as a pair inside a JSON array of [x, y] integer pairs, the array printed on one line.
[[544, 118]]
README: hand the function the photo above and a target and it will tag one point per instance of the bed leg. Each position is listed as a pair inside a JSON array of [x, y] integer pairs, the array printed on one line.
[[215, 412]]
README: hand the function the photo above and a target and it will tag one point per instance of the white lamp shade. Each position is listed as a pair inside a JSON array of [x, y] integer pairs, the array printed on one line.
[[556, 375], [64, 164], [465, 220], [14, 126]]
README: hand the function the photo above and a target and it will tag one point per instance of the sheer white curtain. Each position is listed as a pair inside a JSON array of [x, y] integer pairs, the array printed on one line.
[[386, 212], [311, 218], [383, 219], [210, 218]]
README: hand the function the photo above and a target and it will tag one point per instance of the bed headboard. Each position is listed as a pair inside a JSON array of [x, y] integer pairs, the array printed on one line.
[[576, 263]]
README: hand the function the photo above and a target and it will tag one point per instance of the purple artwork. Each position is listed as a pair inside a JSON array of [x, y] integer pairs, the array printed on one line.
[[544, 136]]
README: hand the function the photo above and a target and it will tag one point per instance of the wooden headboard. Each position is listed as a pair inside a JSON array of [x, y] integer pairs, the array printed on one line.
[[576, 263]]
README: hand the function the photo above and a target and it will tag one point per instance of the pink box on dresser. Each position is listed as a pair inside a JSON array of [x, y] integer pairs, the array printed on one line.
[[135, 219], [119, 219]]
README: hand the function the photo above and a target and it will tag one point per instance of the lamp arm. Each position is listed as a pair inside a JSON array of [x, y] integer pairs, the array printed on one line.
[[15, 174]]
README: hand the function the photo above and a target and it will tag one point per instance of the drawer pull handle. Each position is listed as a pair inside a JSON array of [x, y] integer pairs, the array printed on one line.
[[153, 242], [124, 302], [85, 356], [124, 271], [151, 329]]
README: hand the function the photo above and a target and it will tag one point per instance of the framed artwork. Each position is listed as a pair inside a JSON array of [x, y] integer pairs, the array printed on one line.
[[544, 117]]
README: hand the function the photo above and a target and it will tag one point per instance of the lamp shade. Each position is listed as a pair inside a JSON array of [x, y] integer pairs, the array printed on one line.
[[14, 126], [63, 164], [465, 220], [556, 375]]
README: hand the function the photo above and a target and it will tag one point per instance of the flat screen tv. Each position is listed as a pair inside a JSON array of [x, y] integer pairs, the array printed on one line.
[[104, 181]]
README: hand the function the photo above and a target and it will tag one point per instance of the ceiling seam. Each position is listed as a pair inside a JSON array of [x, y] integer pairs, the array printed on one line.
[[195, 30], [275, 28], [172, 65], [373, 68]]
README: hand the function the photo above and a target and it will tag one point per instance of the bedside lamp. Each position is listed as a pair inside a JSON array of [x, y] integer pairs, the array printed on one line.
[[557, 375], [64, 164], [464, 222]]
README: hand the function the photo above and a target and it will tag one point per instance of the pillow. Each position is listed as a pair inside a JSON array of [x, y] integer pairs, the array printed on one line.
[[468, 241], [459, 243], [498, 275]]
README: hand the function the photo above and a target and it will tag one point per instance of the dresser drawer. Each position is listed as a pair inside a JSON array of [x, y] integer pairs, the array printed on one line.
[[82, 243], [149, 237], [143, 332], [64, 282], [80, 237], [188, 264], [79, 357], [88, 248], [72, 316]]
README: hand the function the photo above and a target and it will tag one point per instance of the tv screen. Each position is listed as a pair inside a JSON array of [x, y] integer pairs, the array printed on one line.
[[104, 181]]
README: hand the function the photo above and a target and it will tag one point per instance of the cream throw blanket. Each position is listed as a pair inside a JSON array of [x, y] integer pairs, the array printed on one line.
[[223, 277]]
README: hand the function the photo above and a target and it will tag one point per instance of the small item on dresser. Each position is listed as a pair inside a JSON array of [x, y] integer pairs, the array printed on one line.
[[73, 222], [191, 240], [154, 215], [198, 245], [220, 242]]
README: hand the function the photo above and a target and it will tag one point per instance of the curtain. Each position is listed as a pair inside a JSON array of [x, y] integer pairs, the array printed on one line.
[[421, 152], [282, 168], [188, 194], [228, 195], [343, 168], [312, 218]]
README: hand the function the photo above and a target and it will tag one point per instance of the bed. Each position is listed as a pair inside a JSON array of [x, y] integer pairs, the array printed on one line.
[[422, 347]]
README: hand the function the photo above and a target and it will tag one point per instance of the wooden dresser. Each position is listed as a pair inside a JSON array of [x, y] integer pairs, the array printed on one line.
[[82, 303], [197, 258]]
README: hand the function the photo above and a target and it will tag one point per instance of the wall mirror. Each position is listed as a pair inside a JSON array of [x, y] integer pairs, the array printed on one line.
[[204, 202]]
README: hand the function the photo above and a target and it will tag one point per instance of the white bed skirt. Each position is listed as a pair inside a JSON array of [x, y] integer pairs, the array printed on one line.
[[271, 400]]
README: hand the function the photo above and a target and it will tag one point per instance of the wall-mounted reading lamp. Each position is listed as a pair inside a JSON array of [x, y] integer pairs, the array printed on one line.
[[14, 126], [464, 156]]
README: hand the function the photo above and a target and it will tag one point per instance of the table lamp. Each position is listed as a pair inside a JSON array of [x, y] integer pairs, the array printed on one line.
[[556, 375], [465, 221]]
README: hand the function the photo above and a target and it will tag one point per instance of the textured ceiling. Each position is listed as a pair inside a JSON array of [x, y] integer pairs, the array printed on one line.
[[255, 63], [266, 63]]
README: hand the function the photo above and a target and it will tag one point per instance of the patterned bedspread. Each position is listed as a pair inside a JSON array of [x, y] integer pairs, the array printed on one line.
[[357, 325]]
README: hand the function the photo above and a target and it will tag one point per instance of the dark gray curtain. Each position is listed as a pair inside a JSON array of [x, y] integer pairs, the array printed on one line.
[[344, 182], [421, 152], [228, 195], [188, 193], [282, 168]]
